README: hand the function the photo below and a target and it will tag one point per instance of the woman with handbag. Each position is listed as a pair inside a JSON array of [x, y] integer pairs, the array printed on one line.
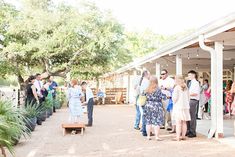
[[153, 109], [143, 85]]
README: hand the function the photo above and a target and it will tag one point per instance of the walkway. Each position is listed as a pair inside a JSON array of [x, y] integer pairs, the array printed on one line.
[[112, 135]]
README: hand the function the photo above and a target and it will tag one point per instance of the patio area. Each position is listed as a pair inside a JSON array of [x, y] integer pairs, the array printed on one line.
[[113, 135]]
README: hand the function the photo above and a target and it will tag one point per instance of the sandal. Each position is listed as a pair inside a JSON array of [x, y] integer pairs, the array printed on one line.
[[176, 139], [73, 132], [159, 139], [183, 138]]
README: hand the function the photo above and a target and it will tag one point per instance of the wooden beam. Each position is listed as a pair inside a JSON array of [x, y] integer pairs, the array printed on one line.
[[231, 30]]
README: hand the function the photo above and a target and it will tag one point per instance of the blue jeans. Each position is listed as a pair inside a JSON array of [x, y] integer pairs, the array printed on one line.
[[137, 116], [143, 124], [90, 111]]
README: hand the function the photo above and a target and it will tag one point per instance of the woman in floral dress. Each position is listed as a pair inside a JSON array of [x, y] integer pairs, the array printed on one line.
[[229, 96], [153, 112]]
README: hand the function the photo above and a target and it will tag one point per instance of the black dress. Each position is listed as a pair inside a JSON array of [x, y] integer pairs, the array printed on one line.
[[30, 99]]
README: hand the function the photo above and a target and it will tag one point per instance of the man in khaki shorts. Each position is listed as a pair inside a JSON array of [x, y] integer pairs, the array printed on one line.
[[166, 84]]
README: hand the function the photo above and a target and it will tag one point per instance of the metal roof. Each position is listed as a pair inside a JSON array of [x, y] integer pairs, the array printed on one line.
[[211, 29]]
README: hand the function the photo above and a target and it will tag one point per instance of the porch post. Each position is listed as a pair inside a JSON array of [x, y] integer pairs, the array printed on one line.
[[178, 65], [128, 88], [158, 70]]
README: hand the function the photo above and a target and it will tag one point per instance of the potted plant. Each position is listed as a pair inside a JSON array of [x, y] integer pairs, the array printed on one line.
[[41, 116], [11, 126], [31, 112], [48, 106], [57, 103]]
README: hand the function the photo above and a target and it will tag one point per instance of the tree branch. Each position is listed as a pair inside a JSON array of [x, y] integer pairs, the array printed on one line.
[[60, 72]]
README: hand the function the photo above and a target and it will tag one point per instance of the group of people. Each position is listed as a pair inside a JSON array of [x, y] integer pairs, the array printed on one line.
[[37, 89], [170, 104], [78, 94], [228, 98]]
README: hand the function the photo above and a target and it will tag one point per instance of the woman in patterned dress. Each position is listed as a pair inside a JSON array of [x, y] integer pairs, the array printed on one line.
[[153, 112], [232, 91], [229, 96], [74, 95]]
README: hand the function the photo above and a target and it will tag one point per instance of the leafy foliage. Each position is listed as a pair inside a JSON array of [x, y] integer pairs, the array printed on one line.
[[32, 110], [11, 125], [61, 39]]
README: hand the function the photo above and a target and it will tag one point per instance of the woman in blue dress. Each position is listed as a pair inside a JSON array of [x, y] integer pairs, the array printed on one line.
[[153, 112], [74, 95]]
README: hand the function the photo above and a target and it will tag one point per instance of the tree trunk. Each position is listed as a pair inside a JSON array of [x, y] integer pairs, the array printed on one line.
[[97, 84], [21, 81], [3, 151]]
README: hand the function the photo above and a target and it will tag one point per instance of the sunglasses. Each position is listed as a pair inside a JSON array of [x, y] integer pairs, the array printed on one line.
[[163, 74]]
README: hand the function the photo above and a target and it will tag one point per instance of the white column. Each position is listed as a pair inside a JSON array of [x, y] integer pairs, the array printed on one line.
[[158, 70], [134, 73], [178, 65], [128, 88], [219, 88]]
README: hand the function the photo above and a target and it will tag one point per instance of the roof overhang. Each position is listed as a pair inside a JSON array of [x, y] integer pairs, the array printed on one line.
[[214, 28]]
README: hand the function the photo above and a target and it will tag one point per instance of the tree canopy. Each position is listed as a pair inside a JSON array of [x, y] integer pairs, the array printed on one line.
[[59, 39]]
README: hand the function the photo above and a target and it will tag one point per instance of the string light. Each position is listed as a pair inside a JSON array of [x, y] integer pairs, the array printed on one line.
[[196, 66], [197, 53]]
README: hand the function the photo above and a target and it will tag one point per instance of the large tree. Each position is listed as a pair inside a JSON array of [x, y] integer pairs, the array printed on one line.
[[62, 39]]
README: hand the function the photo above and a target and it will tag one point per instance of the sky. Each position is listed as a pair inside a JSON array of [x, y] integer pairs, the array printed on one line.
[[165, 17]]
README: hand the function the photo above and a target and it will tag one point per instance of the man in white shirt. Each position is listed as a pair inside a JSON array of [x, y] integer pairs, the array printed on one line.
[[89, 101], [194, 95], [39, 86], [166, 84]]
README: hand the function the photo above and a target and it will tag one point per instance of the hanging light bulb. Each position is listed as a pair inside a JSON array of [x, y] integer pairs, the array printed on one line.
[[197, 53], [188, 56], [196, 66]]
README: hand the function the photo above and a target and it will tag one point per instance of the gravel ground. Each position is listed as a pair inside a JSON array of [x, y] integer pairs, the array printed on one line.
[[112, 136]]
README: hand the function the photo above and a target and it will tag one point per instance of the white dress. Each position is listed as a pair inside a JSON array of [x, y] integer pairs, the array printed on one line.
[[75, 106], [181, 105]]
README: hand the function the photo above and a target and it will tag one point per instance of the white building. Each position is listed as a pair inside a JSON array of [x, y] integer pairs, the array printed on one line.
[[210, 51]]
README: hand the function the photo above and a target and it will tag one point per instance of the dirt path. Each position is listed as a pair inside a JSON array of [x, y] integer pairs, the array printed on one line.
[[112, 135]]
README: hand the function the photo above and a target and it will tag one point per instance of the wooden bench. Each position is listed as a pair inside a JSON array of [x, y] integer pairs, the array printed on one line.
[[118, 98], [73, 126], [115, 95]]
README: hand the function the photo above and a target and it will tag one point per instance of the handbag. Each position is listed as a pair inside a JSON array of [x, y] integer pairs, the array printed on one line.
[[170, 105], [142, 100]]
